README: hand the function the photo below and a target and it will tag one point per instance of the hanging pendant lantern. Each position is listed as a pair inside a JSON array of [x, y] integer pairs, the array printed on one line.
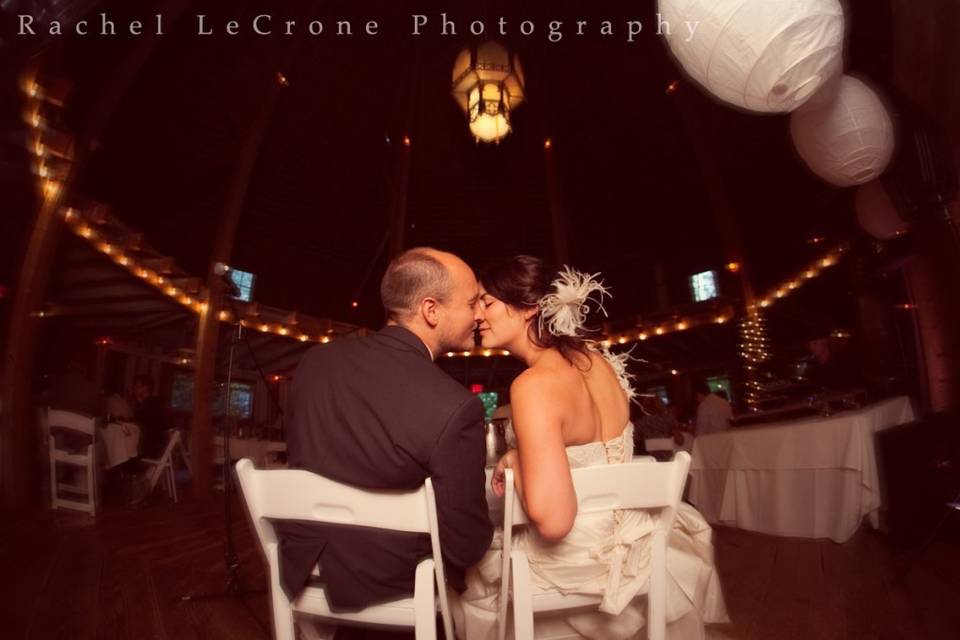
[[488, 86]]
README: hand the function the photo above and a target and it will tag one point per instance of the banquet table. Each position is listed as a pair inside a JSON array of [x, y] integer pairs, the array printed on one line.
[[120, 442], [809, 478]]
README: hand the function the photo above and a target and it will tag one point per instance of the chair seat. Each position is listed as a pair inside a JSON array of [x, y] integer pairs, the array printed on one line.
[[397, 613], [71, 458]]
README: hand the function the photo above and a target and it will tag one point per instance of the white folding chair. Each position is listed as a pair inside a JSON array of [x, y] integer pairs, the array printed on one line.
[[295, 494], [635, 485], [162, 467], [84, 461]]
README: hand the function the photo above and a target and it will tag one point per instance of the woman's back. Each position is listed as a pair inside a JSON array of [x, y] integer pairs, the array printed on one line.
[[594, 405]]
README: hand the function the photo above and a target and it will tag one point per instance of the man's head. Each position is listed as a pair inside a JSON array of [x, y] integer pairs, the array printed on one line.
[[433, 294], [142, 387]]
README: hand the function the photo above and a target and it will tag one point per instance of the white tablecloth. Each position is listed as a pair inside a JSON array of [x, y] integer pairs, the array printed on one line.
[[809, 478], [120, 442]]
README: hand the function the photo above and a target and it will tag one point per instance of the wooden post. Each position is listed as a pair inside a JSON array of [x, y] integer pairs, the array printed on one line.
[[398, 210], [558, 213], [201, 435], [705, 149]]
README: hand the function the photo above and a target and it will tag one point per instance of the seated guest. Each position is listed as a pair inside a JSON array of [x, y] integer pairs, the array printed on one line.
[[375, 412], [117, 406], [149, 414], [713, 412]]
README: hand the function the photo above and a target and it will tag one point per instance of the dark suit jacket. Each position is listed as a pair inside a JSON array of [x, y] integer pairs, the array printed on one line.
[[376, 412]]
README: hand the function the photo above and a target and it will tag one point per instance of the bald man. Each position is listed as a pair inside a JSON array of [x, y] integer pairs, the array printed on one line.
[[376, 412]]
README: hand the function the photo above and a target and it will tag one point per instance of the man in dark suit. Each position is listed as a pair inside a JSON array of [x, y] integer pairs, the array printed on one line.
[[376, 412]]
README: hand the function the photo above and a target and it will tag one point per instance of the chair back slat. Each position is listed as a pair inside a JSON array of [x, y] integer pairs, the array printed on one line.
[[631, 485], [60, 419], [295, 494]]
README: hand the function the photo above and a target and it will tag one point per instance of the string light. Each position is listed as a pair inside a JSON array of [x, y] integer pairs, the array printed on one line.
[[754, 350]]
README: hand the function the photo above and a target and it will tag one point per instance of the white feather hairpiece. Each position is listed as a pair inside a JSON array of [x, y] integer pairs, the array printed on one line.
[[563, 312], [619, 363]]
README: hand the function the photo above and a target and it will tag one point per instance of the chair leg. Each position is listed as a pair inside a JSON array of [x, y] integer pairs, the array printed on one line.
[[656, 598], [283, 625], [53, 476], [173, 485], [522, 596], [425, 602], [92, 481]]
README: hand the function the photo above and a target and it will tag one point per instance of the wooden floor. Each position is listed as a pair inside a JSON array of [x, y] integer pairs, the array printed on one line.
[[122, 576]]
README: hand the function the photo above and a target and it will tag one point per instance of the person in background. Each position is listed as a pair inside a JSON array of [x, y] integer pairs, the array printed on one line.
[[149, 415], [713, 412]]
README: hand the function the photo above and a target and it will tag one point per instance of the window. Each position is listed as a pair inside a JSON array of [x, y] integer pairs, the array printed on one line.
[[703, 286], [244, 281], [720, 383], [181, 394], [181, 397]]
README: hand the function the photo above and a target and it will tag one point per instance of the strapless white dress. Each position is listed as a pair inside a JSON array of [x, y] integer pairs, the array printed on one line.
[[607, 555]]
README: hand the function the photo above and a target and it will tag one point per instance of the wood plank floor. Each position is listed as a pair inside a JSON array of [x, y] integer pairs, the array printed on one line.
[[122, 576]]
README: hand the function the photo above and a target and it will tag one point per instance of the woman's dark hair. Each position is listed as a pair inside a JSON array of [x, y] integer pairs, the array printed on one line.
[[521, 282]]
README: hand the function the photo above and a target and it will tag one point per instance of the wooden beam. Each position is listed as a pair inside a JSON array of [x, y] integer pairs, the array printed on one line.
[[398, 209], [558, 213], [201, 435]]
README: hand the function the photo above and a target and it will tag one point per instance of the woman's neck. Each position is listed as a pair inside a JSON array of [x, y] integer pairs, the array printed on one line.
[[527, 351]]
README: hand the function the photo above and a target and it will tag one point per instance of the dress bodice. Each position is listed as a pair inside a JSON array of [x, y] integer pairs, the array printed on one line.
[[614, 451]]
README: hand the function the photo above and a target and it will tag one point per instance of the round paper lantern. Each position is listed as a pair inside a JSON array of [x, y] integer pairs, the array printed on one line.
[[762, 55], [845, 137], [876, 212]]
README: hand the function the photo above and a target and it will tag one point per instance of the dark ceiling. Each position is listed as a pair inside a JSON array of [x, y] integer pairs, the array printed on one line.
[[316, 210]]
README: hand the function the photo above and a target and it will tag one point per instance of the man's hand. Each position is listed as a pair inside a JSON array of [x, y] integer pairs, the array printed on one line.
[[508, 461]]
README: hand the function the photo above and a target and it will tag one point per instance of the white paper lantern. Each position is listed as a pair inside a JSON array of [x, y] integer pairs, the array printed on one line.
[[762, 55], [845, 137], [876, 212]]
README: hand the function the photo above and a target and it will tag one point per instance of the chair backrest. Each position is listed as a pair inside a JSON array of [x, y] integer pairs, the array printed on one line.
[[60, 419], [295, 494], [642, 484], [633, 485]]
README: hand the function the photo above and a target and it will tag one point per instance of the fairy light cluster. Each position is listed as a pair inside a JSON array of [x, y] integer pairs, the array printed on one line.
[[754, 350]]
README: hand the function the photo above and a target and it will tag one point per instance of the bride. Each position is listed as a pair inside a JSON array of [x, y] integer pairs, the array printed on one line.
[[571, 409]]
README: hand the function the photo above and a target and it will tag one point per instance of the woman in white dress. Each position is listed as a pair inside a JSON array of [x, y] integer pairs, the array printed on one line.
[[571, 409]]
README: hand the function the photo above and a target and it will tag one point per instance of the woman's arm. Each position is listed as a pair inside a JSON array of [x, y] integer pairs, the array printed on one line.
[[540, 464]]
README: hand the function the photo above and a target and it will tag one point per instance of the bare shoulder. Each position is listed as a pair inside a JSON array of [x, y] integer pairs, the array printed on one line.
[[541, 382], [530, 383]]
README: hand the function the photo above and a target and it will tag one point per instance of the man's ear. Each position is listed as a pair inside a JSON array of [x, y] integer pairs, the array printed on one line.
[[430, 312]]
